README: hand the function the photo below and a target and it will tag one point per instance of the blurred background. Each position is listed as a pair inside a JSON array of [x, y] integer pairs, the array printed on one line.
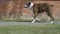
[[14, 9]]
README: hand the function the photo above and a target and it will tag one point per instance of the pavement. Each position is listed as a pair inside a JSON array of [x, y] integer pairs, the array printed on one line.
[[26, 23]]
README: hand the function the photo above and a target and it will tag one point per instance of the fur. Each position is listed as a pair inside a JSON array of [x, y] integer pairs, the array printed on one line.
[[40, 8]]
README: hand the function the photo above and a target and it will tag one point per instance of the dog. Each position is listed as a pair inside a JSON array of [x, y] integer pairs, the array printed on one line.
[[40, 8]]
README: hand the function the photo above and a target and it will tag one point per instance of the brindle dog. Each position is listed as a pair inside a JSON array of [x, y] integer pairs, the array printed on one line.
[[40, 8]]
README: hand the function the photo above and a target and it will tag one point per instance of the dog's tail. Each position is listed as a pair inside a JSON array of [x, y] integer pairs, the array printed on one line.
[[52, 5]]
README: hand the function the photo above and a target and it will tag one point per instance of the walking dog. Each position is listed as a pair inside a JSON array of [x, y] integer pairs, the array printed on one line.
[[39, 8]]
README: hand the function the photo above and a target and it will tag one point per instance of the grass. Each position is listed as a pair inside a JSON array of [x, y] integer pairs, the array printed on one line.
[[25, 20], [18, 20], [24, 29]]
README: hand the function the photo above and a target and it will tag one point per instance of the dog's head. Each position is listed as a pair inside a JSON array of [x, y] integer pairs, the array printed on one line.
[[28, 4]]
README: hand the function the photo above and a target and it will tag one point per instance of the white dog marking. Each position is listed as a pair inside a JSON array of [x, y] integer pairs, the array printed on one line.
[[25, 5], [35, 20], [48, 19], [31, 5], [52, 22]]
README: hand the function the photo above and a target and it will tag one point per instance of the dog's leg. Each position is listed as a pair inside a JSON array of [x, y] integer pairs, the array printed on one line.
[[35, 9], [33, 20], [52, 20], [35, 17], [48, 19], [51, 17]]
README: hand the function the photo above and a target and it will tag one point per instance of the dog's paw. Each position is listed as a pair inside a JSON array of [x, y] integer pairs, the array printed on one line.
[[52, 22]]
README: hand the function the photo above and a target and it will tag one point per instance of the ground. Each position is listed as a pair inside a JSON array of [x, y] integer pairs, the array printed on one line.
[[29, 28], [26, 23]]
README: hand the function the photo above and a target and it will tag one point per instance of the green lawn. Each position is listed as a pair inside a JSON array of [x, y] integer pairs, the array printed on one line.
[[20, 20], [24, 29], [24, 20]]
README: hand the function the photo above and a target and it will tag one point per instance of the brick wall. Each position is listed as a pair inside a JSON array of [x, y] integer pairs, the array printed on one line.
[[14, 8]]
